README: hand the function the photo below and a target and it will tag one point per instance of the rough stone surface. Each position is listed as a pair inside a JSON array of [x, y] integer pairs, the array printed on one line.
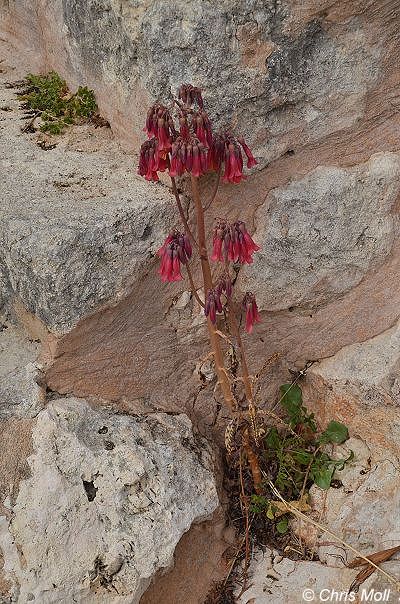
[[361, 511], [283, 581], [290, 70], [321, 234], [359, 386], [78, 227], [366, 370], [20, 393], [107, 501], [314, 87]]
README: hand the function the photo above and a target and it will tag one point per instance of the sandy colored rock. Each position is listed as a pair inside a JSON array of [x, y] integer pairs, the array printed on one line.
[[322, 234], [120, 490], [284, 581], [78, 227], [292, 71]]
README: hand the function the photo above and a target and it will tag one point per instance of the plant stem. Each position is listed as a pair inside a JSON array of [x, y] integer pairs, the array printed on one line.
[[214, 190], [222, 374], [192, 286], [243, 363], [182, 213], [253, 462]]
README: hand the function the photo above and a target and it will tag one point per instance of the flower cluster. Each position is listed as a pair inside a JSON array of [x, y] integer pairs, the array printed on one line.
[[190, 94], [175, 250], [151, 161], [225, 148], [252, 314], [190, 155], [213, 300], [233, 242], [213, 305], [193, 147], [160, 124]]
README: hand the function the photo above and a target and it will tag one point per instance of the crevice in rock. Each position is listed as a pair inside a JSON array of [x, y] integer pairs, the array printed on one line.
[[90, 489]]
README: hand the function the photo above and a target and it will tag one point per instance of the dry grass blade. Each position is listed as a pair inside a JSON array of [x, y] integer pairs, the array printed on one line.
[[366, 572], [309, 520], [377, 557]]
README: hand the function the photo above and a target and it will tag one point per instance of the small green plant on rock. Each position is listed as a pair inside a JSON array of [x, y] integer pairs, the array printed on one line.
[[295, 456], [48, 97]]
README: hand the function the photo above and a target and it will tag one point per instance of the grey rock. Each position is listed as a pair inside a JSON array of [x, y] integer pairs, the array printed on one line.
[[361, 510], [271, 79], [321, 234], [77, 229], [273, 578], [20, 393], [108, 499], [367, 371], [278, 580]]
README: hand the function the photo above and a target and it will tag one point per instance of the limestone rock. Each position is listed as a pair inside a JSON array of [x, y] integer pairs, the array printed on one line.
[[78, 228], [284, 581], [278, 69], [362, 510], [108, 499], [273, 578], [368, 371], [359, 386], [321, 234], [20, 394]]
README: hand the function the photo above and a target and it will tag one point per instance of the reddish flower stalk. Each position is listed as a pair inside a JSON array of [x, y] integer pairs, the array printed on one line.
[[191, 147], [252, 314]]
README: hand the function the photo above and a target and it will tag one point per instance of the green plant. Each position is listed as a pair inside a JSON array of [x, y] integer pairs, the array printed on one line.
[[48, 96], [298, 457]]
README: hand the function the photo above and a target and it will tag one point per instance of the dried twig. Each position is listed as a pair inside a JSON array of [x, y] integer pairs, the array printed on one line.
[[366, 572], [253, 462], [29, 125], [322, 528]]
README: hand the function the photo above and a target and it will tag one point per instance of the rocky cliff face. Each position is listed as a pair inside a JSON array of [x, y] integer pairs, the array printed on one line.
[[314, 86]]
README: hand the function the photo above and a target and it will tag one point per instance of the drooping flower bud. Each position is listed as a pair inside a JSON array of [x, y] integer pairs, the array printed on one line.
[[233, 242], [233, 163], [252, 314], [216, 152], [224, 285], [202, 128], [251, 161], [225, 148], [159, 124], [213, 304], [188, 155], [218, 237], [175, 250], [190, 94], [184, 127], [151, 161], [164, 143]]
